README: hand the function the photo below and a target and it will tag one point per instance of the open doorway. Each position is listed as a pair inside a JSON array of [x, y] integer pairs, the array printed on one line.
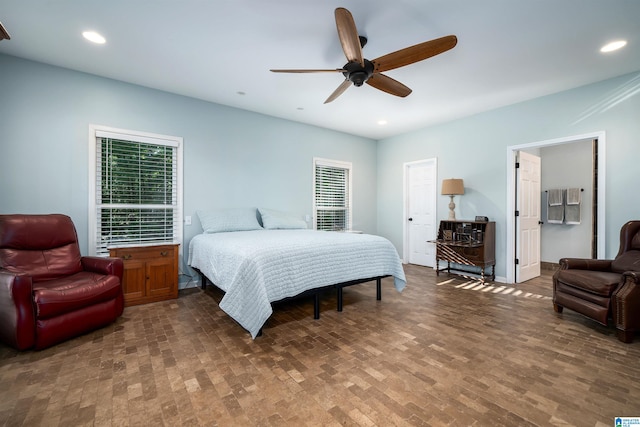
[[599, 180]]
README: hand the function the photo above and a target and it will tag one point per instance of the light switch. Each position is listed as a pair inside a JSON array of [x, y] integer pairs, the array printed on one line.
[[187, 220]]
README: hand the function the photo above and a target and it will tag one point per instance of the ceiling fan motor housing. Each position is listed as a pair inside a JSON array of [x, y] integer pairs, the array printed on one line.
[[358, 74]]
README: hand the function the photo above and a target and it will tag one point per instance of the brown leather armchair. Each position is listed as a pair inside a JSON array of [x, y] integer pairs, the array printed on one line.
[[48, 291], [601, 289]]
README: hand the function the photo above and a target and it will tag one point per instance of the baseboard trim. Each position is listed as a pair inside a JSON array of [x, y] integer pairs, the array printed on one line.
[[549, 266]]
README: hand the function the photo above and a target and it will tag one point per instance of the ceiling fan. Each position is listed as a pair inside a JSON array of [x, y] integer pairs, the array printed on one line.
[[360, 70]]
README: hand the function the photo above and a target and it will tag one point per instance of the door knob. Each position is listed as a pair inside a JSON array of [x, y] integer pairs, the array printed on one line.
[[540, 222], [410, 219]]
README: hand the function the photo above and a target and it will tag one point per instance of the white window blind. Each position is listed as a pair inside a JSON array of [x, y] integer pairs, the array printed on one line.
[[332, 202], [137, 191]]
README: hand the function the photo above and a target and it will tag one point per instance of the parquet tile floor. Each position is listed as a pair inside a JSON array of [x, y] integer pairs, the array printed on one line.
[[445, 352]]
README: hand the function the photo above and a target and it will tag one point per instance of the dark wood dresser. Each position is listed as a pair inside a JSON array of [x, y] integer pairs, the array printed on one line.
[[468, 248]]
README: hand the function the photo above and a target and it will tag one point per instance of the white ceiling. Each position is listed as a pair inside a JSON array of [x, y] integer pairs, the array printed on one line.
[[508, 51]]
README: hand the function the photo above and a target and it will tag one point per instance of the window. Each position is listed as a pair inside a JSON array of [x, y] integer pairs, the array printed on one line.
[[135, 191], [332, 195]]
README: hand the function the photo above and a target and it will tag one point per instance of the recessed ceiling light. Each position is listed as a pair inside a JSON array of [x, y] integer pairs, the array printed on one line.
[[94, 37], [610, 47], [241, 93], [382, 122]]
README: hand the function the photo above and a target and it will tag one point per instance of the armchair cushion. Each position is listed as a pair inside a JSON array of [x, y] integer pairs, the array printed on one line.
[[70, 293], [598, 282]]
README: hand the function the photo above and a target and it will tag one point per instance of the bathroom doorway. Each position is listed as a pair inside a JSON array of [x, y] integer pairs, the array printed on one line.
[[593, 202]]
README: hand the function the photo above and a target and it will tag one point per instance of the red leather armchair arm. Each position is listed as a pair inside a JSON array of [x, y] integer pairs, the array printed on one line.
[[17, 319], [103, 265], [585, 264]]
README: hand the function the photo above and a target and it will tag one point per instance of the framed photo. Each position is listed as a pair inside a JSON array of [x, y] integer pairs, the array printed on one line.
[[447, 234]]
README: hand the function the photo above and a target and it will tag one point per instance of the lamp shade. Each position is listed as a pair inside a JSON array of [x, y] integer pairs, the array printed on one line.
[[452, 187]]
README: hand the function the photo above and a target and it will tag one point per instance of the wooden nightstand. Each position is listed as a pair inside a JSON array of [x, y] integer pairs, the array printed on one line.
[[150, 273]]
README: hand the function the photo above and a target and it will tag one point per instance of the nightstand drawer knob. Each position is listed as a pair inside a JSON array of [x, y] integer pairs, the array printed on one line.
[[126, 256], [164, 253]]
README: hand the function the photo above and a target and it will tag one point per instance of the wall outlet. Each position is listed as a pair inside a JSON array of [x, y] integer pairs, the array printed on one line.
[[187, 220], [307, 218]]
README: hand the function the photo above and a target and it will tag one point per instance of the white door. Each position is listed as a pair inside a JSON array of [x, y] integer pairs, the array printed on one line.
[[528, 219], [420, 212]]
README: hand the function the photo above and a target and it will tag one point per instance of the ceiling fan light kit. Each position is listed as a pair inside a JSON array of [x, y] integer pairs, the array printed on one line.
[[358, 70]]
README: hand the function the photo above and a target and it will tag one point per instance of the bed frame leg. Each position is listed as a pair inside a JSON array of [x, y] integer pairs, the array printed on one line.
[[203, 281], [339, 292], [378, 289], [316, 305]]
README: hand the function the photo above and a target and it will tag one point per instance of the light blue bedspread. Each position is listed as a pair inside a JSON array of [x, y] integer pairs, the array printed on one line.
[[255, 268]]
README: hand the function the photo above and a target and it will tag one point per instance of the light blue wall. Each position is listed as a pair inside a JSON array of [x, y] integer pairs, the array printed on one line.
[[232, 158], [475, 149], [237, 158]]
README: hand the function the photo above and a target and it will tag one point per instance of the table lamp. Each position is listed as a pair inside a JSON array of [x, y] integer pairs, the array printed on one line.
[[452, 187]]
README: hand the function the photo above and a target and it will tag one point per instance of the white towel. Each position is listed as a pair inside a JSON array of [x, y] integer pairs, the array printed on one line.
[[554, 197], [572, 211], [555, 212], [573, 196]]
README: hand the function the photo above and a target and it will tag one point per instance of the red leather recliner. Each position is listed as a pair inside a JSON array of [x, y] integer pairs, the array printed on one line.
[[601, 289], [48, 291]]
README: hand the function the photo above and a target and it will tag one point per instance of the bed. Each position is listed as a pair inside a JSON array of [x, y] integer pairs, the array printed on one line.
[[257, 267]]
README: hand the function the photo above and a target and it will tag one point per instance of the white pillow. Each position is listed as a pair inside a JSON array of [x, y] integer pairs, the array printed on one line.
[[279, 220], [235, 219]]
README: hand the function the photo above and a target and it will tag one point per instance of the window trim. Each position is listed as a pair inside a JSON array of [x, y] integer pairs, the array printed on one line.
[[318, 161], [136, 136]]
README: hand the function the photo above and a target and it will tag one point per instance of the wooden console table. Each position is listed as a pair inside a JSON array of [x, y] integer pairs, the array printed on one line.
[[468, 247]]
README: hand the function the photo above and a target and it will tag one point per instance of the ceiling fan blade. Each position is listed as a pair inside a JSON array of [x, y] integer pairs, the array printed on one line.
[[310, 71], [415, 53], [336, 93], [348, 34], [4, 34], [389, 85]]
